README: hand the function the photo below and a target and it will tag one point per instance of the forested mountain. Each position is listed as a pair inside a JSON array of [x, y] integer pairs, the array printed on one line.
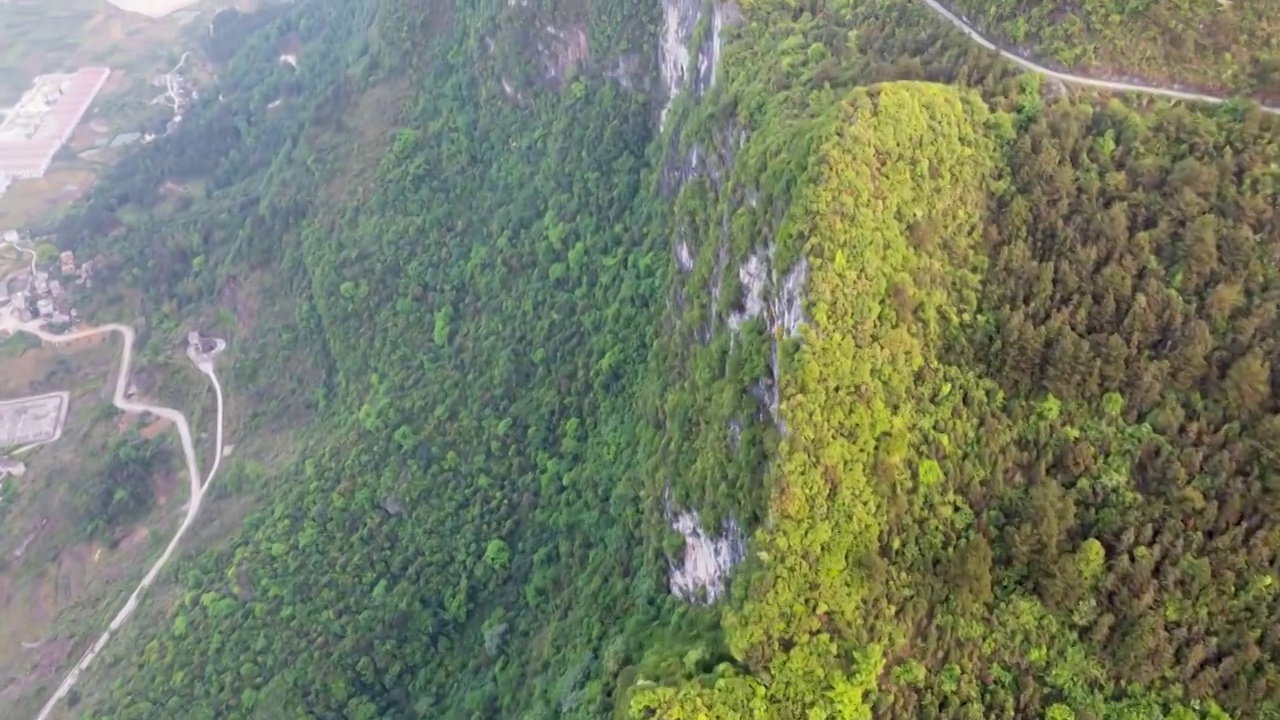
[[983, 372], [1225, 46]]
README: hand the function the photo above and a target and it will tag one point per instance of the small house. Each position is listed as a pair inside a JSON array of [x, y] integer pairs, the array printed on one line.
[[11, 466]]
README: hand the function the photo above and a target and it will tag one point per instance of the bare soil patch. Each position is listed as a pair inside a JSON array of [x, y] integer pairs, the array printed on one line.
[[155, 428], [30, 200]]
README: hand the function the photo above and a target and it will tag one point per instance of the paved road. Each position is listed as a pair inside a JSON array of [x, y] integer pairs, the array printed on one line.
[[205, 365], [1034, 67]]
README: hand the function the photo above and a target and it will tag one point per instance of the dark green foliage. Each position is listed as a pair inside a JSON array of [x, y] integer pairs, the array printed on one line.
[[119, 490], [1028, 469], [481, 298], [1224, 47], [230, 28]]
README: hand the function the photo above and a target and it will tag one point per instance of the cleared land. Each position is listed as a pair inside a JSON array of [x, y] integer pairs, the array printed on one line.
[[57, 36], [43, 120], [43, 199], [32, 420], [57, 589]]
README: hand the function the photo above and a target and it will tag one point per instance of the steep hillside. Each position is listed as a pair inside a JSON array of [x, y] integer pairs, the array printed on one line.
[[1023, 414], [467, 535], [904, 166], [824, 367], [1228, 47]]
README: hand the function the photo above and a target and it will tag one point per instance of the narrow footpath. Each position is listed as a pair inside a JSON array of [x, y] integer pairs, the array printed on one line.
[[1081, 80]]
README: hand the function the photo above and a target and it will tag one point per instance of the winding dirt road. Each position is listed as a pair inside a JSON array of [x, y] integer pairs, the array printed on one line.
[[205, 364], [1068, 78], [21, 250]]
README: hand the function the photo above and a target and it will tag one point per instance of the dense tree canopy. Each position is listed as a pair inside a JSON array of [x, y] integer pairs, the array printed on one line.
[[1014, 461], [1219, 46]]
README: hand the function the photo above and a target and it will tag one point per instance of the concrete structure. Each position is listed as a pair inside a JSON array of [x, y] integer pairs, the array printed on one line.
[[43, 120], [11, 466], [33, 420]]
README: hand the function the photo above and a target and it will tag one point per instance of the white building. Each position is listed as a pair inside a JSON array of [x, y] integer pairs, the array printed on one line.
[[11, 466]]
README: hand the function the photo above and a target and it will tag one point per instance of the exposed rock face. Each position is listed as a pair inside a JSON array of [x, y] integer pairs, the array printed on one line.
[[754, 275], [789, 303], [563, 51], [679, 19], [772, 294], [722, 15], [780, 303], [684, 256], [700, 575]]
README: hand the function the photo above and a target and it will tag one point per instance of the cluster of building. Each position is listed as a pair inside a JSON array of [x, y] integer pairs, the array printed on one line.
[[32, 295], [42, 122], [179, 94]]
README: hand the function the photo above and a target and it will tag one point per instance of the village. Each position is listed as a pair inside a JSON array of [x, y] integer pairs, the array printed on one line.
[[35, 293], [26, 296]]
